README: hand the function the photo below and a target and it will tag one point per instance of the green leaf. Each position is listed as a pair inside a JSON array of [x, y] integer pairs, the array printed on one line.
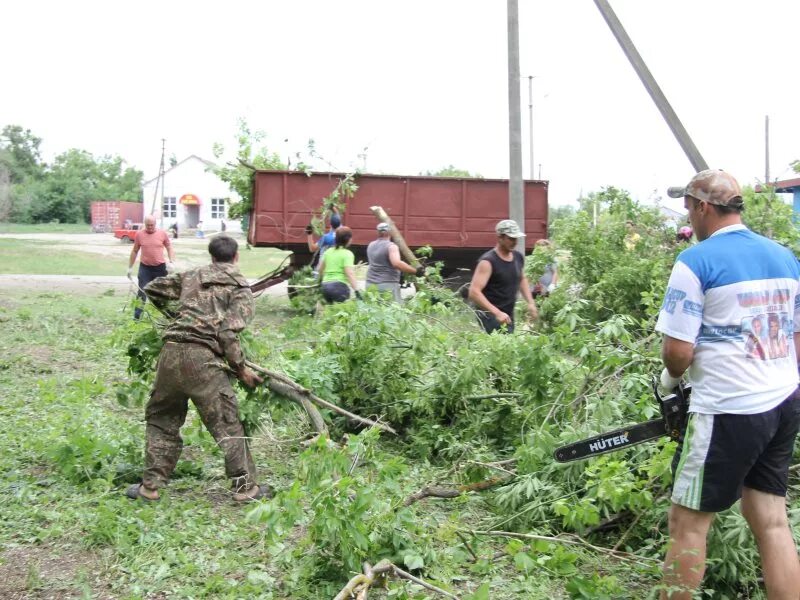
[[482, 593], [524, 562], [413, 561]]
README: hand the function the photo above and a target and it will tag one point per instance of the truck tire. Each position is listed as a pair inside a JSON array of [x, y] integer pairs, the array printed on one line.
[[127, 240]]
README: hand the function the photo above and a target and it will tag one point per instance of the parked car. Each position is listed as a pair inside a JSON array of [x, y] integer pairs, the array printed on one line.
[[126, 234]]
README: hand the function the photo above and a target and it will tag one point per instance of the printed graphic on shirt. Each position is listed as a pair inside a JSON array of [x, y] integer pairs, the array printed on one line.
[[735, 298], [671, 299]]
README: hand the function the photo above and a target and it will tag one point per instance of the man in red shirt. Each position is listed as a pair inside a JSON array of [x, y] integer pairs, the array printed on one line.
[[152, 242]]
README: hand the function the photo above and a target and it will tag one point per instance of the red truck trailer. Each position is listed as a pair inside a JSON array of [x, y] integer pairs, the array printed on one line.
[[108, 215], [456, 216]]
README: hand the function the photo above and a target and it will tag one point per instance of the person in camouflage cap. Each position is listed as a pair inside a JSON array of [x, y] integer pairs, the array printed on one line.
[[210, 305]]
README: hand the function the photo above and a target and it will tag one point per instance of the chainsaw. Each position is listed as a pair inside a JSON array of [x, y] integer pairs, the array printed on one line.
[[674, 412]]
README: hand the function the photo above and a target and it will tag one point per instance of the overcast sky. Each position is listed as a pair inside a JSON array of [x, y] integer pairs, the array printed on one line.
[[421, 84]]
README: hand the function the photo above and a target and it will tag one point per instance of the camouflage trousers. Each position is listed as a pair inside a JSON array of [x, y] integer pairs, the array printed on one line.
[[193, 371]]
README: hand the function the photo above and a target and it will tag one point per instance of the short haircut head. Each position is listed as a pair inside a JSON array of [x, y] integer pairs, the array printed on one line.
[[223, 248], [343, 235]]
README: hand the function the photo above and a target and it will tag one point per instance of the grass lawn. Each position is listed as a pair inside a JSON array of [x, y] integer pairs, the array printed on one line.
[[45, 228], [102, 254], [37, 257]]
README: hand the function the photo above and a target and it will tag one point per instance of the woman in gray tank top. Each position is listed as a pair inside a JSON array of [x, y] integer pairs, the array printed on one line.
[[385, 264]]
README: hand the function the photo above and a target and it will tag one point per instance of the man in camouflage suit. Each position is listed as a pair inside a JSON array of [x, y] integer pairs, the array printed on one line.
[[211, 305]]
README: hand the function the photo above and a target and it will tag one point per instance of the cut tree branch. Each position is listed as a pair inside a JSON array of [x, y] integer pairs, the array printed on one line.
[[572, 540], [397, 237], [362, 582], [295, 391], [435, 491]]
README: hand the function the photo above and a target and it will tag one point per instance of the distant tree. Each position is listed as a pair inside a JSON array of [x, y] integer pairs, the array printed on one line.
[[6, 204], [796, 166], [19, 153], [69, 185], [451, 171], [238, 174]]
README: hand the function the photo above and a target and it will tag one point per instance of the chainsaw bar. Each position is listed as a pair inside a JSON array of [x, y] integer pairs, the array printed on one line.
[[611, 441]]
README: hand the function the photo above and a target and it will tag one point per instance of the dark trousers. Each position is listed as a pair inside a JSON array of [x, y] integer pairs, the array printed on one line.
[[335, 291], [490, 323], [193, 371], [146, 274]]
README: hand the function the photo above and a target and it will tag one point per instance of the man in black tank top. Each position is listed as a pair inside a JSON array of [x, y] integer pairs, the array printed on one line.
[[500, 274]]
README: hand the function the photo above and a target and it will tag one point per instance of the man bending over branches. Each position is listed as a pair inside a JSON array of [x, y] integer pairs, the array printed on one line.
[[214, 304]]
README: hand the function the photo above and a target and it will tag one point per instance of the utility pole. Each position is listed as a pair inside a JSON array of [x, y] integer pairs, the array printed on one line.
[[530, 121], [160, 178], [766, 150], [516, 196], [649, 82]]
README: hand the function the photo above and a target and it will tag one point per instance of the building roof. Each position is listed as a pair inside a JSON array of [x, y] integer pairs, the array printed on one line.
[[787, 185], [207, 163], [782, 187]]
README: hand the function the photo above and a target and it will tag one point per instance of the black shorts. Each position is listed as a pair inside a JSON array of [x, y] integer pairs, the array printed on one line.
[[721, 453]]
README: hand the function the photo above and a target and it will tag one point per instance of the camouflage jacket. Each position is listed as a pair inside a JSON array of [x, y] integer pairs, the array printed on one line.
[[212, 305]]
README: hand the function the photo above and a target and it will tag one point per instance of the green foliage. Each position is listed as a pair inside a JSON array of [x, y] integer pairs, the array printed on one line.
[[20, 154], [304, 291], [353, 512], [250, 156], [537, 261], [620, 264], [767, 214], [83, 452], [63, 191], [336, 200]]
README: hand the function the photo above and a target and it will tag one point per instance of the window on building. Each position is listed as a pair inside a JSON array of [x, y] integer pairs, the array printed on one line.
[[169, 207], [218, 208]]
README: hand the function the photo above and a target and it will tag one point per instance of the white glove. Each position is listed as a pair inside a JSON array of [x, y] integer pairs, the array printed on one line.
[[668, 382], [551, 287], [170, 267], [130, 273]]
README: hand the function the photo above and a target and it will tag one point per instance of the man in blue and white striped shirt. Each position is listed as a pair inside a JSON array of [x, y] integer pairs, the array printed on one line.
[[745, 407]]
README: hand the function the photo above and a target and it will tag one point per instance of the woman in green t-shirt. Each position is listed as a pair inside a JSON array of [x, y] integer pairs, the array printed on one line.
[[336, 268]]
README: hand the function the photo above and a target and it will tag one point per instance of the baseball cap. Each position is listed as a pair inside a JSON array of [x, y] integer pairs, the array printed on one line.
[[509, 228], [714, 186], [383, 227]]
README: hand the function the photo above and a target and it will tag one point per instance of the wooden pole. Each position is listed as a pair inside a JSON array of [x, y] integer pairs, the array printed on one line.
[[397, 237]]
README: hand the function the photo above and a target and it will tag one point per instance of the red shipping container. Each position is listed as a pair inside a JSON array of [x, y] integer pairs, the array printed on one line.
[[108, 215], [456, 216]]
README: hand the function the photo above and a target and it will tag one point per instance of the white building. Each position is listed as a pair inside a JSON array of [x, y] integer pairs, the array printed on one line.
[[191, 194]]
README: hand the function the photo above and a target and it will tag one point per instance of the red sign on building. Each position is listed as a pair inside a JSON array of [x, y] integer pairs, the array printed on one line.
[[190, 199]]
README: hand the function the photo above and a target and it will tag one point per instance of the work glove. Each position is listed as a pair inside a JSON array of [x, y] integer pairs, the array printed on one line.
[[420, 271], [170, 267], [130, 273], [309, 229], [668, 383], [551, 287]]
